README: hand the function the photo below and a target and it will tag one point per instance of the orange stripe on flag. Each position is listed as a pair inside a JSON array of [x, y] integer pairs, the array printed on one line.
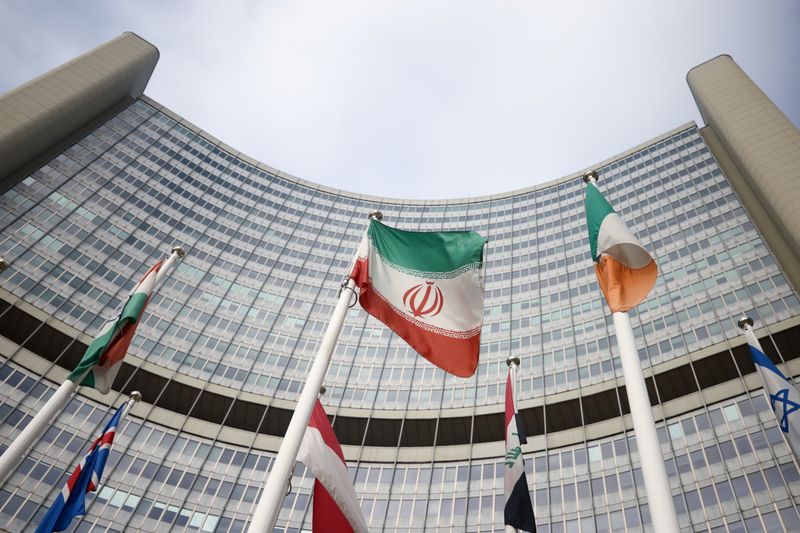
[[623, 287]]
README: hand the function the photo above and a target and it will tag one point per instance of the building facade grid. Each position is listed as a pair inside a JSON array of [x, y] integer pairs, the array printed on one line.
[[245, 309]]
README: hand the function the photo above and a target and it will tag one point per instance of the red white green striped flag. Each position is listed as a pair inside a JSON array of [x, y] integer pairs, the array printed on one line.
[[625, 270], [102, 359], [427, 287]]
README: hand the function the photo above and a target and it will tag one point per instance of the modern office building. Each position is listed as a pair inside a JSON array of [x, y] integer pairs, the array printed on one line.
[[100, 181]]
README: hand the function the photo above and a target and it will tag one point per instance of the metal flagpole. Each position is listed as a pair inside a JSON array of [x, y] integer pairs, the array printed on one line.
[[659, 495], [134, 397], [268, 507], [656, 483], [55, 404]]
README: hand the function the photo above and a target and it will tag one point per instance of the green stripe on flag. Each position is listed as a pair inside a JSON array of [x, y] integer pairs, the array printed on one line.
[[442, 251], [597, 209], [130, 313]]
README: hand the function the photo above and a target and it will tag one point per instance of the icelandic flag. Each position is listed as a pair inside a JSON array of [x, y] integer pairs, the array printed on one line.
[[336, 508], [518, 512], [783, 396], [71, 501]]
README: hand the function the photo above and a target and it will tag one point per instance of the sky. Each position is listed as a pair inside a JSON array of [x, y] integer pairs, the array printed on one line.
[[423, 99]]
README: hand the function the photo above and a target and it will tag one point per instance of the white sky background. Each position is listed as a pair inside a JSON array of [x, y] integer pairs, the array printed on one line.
[[423, 99]]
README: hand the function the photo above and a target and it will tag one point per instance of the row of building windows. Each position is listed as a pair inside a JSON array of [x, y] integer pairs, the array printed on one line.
[[238, 320], [728, 464]]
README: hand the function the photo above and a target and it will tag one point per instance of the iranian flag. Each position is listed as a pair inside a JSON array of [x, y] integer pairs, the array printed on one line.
[[336, 508], [102, 359], [427, 287], [625, 270]]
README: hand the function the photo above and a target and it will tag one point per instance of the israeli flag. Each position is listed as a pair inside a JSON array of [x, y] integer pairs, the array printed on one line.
[[783, 396]]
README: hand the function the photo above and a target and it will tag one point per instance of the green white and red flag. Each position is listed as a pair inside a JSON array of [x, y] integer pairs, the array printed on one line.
[[101, 361], [428, 288]]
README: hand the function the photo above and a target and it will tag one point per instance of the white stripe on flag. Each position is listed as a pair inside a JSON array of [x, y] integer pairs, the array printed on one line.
[[329, 469]]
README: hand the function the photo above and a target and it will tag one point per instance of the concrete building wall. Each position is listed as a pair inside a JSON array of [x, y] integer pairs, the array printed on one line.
[[38, 118], [757, 136]]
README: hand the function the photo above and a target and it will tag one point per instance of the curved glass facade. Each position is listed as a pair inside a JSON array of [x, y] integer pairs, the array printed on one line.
[[242, 314]]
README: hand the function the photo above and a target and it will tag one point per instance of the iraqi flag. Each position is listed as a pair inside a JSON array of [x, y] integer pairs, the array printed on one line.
[[71, 501], [427, 287], [518, 512], [100, 362], [625, 270], [336, 508], [783, 396]]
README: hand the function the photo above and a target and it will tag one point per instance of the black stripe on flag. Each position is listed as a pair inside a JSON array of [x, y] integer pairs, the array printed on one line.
[[519, 510], [523, 435]]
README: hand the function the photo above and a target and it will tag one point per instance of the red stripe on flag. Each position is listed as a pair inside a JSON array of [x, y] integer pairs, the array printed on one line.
[[456, 356], [509, 400], [327, 517], [155, 268], [74, 477], [119, 346], [319, 420], [107, 438]]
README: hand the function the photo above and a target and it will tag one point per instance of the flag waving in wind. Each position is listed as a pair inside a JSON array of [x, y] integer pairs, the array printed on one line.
[[336, 508], [783, 396], [625, 270], [427, 287], [100, 363], [71, 501], [518, 512]]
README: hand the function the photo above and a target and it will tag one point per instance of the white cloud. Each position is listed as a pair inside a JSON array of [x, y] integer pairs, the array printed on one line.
[[423, 99]]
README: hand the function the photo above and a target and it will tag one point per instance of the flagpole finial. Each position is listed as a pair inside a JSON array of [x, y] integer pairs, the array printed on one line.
[[136, 396], [744, 322], [377, 215], [590, 176], [513, 361], [177, 250], [3, 264], [322, 390]]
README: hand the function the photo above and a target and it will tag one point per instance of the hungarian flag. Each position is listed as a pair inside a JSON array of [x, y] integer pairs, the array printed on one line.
[[427, 287], [71, 501], [109, 347], [336, 507], [518, 512], [625, 270], [783, 396]]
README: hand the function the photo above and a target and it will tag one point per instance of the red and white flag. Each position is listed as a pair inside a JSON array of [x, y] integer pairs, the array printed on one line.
[[428, 288], [336, 507]]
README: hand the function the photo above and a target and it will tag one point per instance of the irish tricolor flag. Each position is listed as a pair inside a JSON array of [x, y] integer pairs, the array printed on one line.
[[100, 363], [427, 287], [625, 270]]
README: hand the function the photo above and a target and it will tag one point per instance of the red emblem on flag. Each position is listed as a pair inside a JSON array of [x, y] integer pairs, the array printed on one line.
[[424, 300]]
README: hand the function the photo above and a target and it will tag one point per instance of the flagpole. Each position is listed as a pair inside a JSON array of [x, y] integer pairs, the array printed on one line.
[[55, 404], [269, 505], [656, 483], [177, 253]]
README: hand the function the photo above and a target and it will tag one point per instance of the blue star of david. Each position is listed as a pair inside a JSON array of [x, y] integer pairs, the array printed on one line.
[[789, 407]]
